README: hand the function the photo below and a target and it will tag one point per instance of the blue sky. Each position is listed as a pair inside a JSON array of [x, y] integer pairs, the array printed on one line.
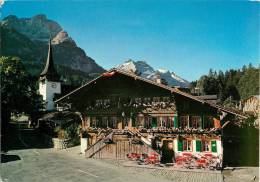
[[188, 38]]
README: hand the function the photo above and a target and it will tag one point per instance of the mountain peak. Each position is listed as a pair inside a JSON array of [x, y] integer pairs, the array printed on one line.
[[38, 28], [136, 66], [29, 37], [163, 70], [40, 17], [10, 17], [143, 69], [61, 37], [129, 60], [128, 65]]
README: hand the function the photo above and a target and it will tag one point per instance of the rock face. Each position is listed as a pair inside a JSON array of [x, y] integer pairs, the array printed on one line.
[[146, 71], [36, 28], [27, 38], [61, 37]]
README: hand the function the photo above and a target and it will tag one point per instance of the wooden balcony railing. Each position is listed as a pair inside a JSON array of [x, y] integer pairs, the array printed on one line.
[[91, 150]]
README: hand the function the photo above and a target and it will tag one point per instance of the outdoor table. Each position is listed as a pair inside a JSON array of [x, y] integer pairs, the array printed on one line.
[[208, 155], [187, 154]]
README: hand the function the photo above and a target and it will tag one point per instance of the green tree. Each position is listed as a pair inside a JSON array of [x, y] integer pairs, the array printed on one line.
[[221, 85], [18, 89], [231, 86], [211, 85], [200, 84], [249, 83]]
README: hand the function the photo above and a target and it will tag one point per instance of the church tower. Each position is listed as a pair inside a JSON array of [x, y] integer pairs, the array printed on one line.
[[49, 82]]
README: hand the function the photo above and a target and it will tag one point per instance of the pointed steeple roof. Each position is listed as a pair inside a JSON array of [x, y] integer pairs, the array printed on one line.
[[49, 71]]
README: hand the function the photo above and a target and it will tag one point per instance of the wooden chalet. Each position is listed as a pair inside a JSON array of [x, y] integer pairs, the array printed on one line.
[[123, 113]]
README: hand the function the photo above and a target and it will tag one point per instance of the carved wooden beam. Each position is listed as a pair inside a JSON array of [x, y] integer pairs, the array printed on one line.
[[225, 124]]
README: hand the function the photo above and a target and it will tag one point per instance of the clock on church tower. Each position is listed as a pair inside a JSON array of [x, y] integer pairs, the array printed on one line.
[[49, 82]]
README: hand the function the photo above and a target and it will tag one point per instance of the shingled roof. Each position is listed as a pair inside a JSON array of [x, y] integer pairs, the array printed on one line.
[[49, 71]]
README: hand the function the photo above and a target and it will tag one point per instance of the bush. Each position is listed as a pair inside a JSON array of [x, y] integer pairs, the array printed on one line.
[[73, 130], [69, 132], [61, 133], [250, 121]]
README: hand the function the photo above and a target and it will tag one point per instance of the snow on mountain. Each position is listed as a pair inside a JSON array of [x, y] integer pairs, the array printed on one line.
[[162, 70], [128, 66], [146, 71]]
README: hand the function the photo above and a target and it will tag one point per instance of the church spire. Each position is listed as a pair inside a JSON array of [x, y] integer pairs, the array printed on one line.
[[49, 71]]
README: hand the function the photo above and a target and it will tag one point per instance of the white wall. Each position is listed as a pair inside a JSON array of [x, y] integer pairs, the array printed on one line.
[[175, 147], [219, 148], [47, 89], [42, 90]]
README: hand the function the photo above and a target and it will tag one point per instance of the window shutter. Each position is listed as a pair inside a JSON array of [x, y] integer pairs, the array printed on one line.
[[180, 145], [198, 145], [154, 122], [213, 146], [176, 121], [133, 121]]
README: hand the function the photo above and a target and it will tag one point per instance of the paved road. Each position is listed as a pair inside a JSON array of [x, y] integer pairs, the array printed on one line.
[[48, 165], [32, 162]]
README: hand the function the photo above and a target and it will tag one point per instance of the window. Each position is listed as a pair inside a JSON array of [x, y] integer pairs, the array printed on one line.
[[166, 99], [156, 99], [140, 120], [184, 121], [195, 122], [208, 122], [98, 122], [113, 122], [98, 103], [205, 146], [104, 122], [169, 122], [106, 102], [147, 99], [187, 145], [138, 100]]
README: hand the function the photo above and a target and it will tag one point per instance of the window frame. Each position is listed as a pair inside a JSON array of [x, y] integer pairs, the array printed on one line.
[[183, 119], [188, 145], [195, 121], [203, 145], [208, 122]]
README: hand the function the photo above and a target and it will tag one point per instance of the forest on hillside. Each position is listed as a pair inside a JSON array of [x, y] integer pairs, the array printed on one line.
[[231, 86]]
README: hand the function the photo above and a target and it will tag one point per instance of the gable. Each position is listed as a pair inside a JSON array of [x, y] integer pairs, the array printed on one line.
[[116, 84]]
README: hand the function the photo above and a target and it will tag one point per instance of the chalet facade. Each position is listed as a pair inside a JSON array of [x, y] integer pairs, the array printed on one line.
[[123, 114]]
